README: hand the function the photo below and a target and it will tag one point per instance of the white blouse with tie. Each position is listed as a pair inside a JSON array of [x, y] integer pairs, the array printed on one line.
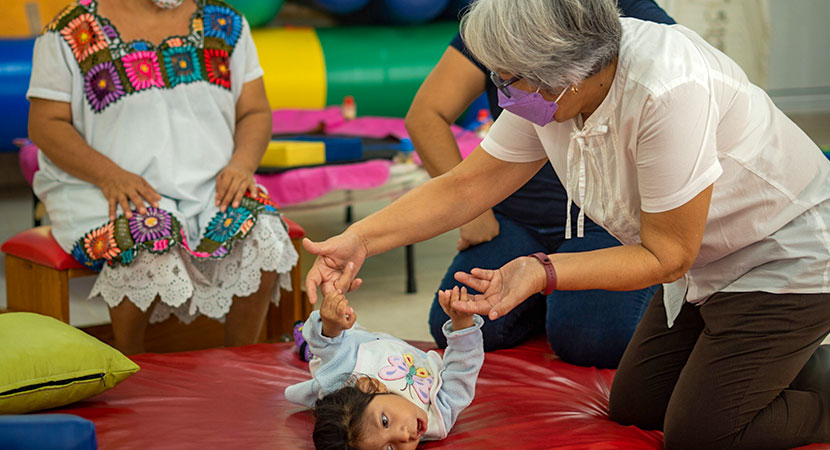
[[680, 116]]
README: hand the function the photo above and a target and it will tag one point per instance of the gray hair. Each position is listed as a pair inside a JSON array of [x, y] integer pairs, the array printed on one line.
[[549, 43]]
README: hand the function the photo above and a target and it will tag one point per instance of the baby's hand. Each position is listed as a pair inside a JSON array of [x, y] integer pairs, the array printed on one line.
[[336, 314], [448, 298]]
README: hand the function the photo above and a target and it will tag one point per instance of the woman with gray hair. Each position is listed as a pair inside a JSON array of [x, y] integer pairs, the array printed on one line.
[[715, 194]]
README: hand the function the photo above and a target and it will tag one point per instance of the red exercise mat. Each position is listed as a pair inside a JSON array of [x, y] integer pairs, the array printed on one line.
[[233, 398]]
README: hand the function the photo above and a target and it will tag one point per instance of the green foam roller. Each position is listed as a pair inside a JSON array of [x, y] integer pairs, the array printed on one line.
[[381, 67]]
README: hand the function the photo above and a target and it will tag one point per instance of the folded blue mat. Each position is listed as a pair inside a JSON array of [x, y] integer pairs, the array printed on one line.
[[47, 431]]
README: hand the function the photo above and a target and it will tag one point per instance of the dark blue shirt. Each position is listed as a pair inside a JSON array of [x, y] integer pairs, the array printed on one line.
[[540, 203]]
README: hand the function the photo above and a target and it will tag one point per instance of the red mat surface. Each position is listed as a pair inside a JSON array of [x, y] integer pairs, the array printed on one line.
[[233, 398]]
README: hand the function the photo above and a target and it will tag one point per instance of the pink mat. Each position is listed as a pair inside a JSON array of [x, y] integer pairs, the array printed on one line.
[[27, 157], [297, 186], [301, 185]]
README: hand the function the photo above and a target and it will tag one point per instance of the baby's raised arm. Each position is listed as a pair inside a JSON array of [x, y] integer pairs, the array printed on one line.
[[462, 358]]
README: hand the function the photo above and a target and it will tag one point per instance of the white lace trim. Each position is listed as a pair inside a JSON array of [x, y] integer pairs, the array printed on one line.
[[188, 287]]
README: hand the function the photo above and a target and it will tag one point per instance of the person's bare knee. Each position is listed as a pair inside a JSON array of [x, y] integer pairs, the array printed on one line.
[[129, 324], [243, 323]]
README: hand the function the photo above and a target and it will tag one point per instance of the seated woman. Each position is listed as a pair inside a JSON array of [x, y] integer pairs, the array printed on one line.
[[530, 220], [151, 117]]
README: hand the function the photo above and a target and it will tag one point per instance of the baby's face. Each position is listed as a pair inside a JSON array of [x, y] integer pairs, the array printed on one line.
[[392, 422]]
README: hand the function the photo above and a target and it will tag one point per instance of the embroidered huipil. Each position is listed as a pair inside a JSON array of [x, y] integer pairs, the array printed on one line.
[[442, 387], [679, 117], [166, 112]]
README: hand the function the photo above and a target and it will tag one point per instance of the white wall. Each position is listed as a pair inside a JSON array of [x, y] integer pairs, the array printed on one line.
[[783, 45], [799, 60]]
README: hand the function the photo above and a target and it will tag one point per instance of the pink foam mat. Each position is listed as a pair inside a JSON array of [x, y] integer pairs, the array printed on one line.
[[301, 185]]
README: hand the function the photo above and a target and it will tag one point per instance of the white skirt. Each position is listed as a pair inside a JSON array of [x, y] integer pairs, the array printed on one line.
[[187, 286]]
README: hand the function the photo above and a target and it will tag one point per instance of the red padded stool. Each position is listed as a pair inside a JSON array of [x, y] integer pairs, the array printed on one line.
[[38, 273]]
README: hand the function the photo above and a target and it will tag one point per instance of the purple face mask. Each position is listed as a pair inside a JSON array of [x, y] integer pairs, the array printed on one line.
[[530, 105]]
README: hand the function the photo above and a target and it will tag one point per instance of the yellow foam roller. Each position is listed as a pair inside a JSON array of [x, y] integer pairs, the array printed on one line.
[[293, 153], [295, 71]]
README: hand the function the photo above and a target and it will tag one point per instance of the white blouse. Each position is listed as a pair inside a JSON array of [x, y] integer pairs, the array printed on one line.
[[169, 116], [680, 116]]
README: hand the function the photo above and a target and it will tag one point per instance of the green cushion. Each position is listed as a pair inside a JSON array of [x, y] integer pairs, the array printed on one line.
[[45, 363]]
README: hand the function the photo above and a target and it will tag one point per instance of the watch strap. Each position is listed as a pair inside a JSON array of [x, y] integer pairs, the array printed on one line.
[[550, 272]]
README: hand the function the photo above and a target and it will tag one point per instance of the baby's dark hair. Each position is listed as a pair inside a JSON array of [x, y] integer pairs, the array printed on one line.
[[339, 416]]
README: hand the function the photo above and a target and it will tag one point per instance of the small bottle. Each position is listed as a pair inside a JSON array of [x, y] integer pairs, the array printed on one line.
[[348, 108], [484, 121]]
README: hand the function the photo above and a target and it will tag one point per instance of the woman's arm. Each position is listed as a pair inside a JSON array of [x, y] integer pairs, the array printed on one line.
[[448, 90], [51, 129], [445, 202], [670, 242], [432, 208], [454, 83], [253, 132]]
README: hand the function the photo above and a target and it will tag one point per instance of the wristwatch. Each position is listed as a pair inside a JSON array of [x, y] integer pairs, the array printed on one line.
[[550, 272]]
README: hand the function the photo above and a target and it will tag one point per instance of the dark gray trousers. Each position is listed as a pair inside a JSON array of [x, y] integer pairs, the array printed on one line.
[[744, 370]]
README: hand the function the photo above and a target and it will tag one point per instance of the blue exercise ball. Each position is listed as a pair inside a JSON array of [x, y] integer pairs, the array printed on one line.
[[15, 71], [341, 6], [410, 11], [454, 9]]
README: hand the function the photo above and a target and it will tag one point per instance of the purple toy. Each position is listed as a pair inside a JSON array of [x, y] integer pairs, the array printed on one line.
[[302, 345]]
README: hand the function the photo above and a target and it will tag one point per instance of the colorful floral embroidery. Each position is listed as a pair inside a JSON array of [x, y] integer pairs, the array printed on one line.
[[220, 252], [198, 25], [53, 25], [218, 67], [151, 226], [103, 86], [139, 46], [80, 256], [187, 247], [109, 31], [160, 245], [143, 70], [182, 65], [100, 243], [174, 42], [84, 36], [265, 199], [157, 231], [222, 22], [226, 224], [127, 256], [246, 227]]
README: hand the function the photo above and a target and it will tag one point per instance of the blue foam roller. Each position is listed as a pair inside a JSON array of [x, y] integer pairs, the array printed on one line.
[[47, 431], [410, 11], [15, 70], [341, 6], [337, 148]]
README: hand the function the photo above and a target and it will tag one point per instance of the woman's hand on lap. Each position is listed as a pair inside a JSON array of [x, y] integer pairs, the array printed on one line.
[[231, 184], [502, 289], [121, 188]]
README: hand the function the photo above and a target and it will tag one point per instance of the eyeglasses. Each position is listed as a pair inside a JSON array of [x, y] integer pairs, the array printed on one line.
[[501, 85]]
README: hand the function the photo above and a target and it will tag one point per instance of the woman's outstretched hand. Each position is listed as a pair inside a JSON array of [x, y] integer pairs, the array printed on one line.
[[502, 289], [333, 257]]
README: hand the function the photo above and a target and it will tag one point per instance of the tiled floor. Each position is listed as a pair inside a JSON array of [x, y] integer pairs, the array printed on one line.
[[381, 304]]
